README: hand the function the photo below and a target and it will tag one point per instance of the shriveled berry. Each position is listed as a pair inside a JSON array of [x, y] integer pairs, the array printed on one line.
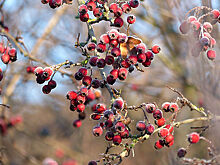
[[113, 34], [100, 108], [124, 134], [95, 116]]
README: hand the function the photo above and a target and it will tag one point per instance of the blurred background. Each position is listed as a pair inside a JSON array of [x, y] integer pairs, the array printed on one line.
[[47, 129]]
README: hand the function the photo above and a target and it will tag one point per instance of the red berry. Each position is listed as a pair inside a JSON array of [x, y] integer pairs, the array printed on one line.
[[122, 73], [132, 59], [208, 27], [91, 46], [46, 89], [84, 71], [124, 134], [97, 131], [5, 58], [149, 129], [101, 63], [163, 132], [173, 107], [126, 8], [215, 14], [157, 114], [119, 127], [109, 60], [113, 43], [125, 64], [165, 106], [169, 138], [97, 12], [155, 49], [91, 96], [118, 12], [118, 22], [80, 99], [93, 61], [160, 122], [117, 139], [95, 116], [52, 84], [131, 19], [134, 3], [38, 71], [113, 34], [118, 103], [91, 5], [193, 137], [104, 38], [55, 3], [116, 52], [150, 108], [146, 63], [113, 8], [95, 83], [141, 126], [141, 57], [84, 17], [77, 123], [45, 1], [87, 80], [100, 108], [191, 19], [83, 9], [169, 127], [84, 91], [109, 136], [211, 54], [71, 95], [110, 80], [159, 144], [195, 25], [101, 48], [114, 73]]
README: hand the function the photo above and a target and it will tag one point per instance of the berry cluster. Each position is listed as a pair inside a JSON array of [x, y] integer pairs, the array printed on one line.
[[9, 54], [79, 100], [201, 30], [44, 74], [100, 11], [5, 125], [122, 52]]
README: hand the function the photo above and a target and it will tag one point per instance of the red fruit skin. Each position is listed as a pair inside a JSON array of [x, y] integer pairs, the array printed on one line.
[[193, 137], [38, 71], [195, 25], [91, 96], [71, 95], [163, 132], [169, 138], [52, 84], [100, 108], [150, 108], [122, 38], [97, 12], [109, 60], [118, 12], [83, 9], [77, 123], [165, 107], [116, 52], [44, 1], [159, 144], [91, 46], [118, 22], [87, 80], [169, 127], [160, 122], [131, 19], [155, 49], [95, 83], [149, 129], [113, 7], [46, 89], [80, 99], [80, 107], [93, 61], [215, 14], [141, 126], [126, 8], [95, 116], [84, 71], [104, 38], [157, 114], [191, 19], [125, 64], [91, 5], [114, 43], [173, 107], [119, 127], [211, 54], [84, 17], [113, 34], [114, 73], [122, 73], [124, 134], [48, 70], [134, 3], [84, 91], [146, 63], [5, 58], [110, 80], [109, 136], [97, 131], [170, 144], [101, 63], [117, 139], [118, 103], [101, 48], [132, 59]]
